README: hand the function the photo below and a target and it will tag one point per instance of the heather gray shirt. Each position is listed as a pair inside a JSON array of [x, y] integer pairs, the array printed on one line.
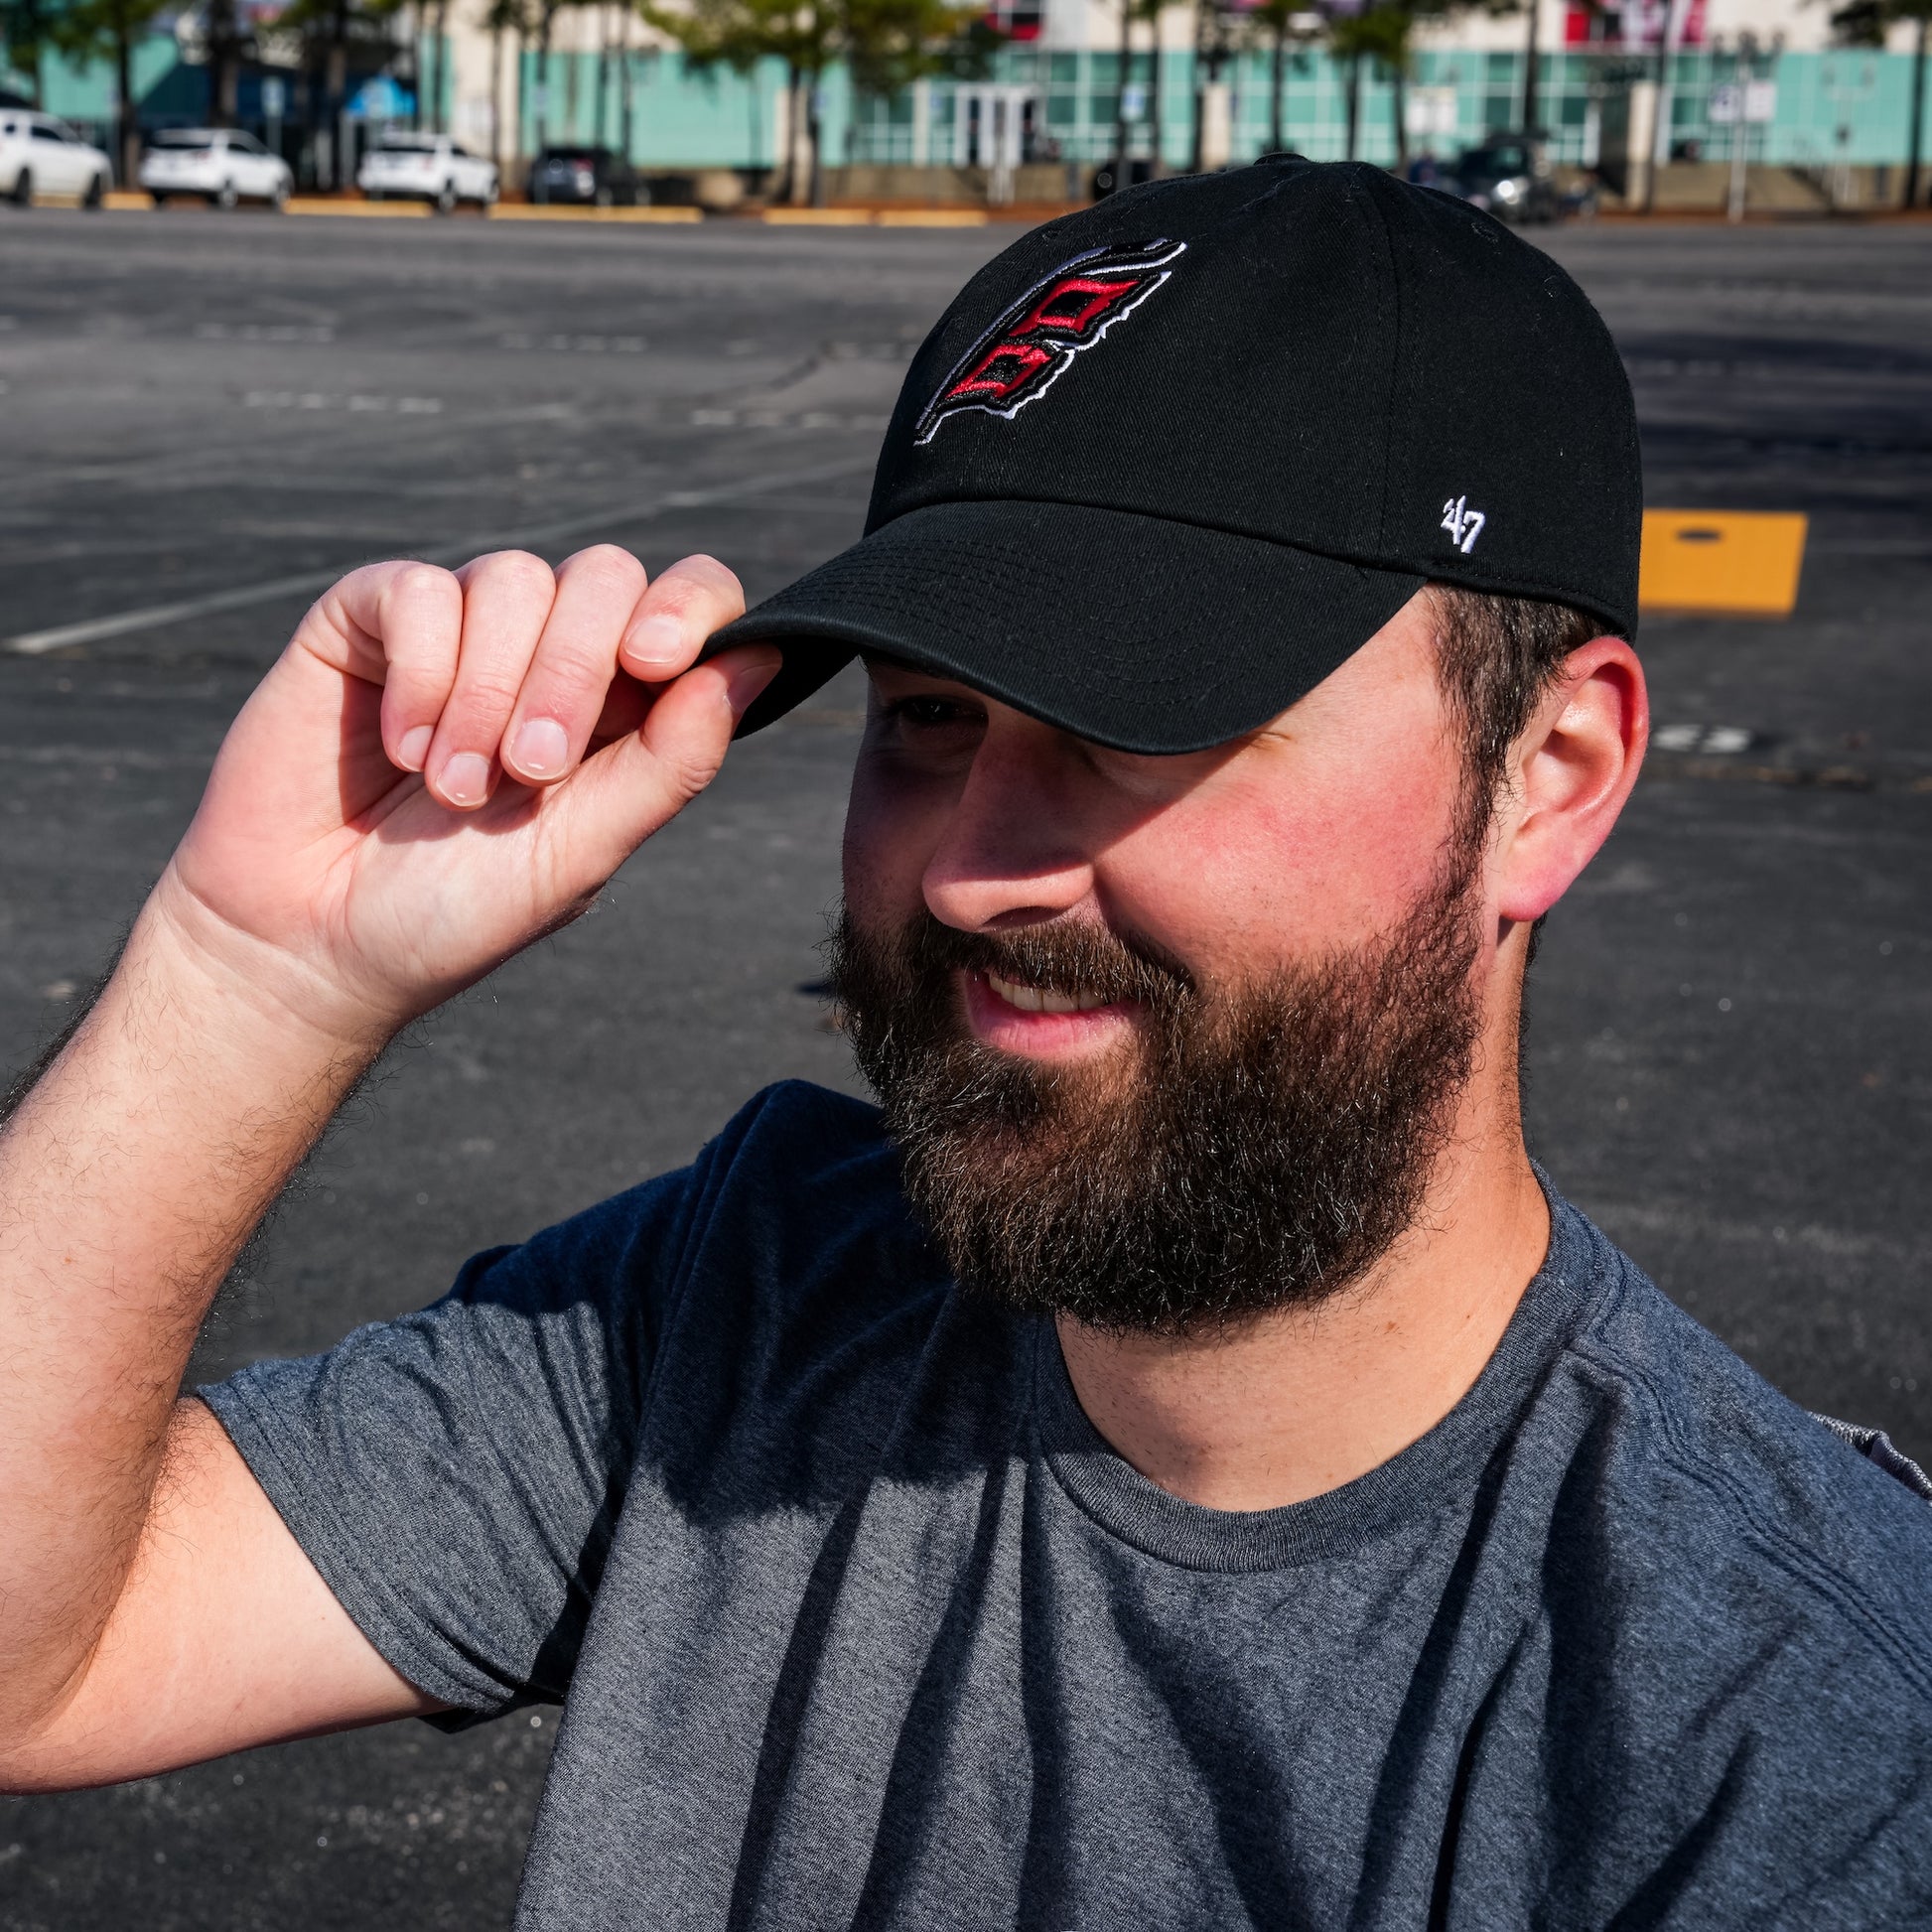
[[857, 1622]]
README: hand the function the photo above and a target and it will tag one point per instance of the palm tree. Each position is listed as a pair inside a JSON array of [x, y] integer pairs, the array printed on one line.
[[97, 30]]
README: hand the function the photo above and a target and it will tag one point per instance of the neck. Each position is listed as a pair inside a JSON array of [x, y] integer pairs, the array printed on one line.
[[1302, 1401]]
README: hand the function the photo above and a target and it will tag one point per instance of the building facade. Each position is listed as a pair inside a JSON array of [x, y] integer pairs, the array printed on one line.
[[1721, 75]]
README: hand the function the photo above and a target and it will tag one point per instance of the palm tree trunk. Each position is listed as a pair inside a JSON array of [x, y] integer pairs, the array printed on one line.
[[440, 53], [496, 98], [30, 16], [221, 33], [1155, 167], [1399, 108], [1915, 138], [127, 129], [1277, 80], [520, 126], [815, 173], [1530, 104], [543, 74], [627, 87], [602, 77]]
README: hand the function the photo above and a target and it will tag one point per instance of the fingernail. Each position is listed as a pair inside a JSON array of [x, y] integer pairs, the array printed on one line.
[[413, 748], [745, 684], [540, 748], [465, 779], [657, 645]]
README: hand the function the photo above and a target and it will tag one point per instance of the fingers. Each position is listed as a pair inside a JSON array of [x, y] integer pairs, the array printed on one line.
[[634, 786], [506, 667], [690, 600], [570, 678], [506, 602]]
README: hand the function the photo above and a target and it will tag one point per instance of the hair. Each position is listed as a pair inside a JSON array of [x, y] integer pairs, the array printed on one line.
[[1499, 656]]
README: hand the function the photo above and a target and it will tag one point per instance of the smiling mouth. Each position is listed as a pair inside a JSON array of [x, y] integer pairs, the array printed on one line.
[[1046, 999]]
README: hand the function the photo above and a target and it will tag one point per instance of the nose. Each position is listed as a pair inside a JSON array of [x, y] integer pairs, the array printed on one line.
[[1012, 853]]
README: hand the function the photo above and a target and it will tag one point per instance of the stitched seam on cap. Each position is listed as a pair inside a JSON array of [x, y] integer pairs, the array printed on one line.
[[1157, 516]]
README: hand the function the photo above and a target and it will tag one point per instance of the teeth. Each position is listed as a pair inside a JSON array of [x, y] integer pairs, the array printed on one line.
[[1045, 999]]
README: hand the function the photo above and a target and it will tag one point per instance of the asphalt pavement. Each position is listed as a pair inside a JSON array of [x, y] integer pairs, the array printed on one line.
[[201, 418]]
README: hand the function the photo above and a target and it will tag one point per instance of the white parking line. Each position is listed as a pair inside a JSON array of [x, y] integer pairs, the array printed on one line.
[[33, 644]]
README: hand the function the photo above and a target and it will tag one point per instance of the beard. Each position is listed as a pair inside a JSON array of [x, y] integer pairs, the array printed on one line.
[[1251, 1148]]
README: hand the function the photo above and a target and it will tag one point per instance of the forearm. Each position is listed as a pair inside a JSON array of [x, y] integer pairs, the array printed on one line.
[[130, 1178]]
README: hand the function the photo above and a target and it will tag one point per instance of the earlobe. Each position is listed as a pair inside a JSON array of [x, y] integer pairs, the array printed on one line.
[[1573, 768]]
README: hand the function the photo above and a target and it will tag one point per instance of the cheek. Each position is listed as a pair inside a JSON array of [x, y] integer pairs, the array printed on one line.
[[890, 835], [1244, 882]]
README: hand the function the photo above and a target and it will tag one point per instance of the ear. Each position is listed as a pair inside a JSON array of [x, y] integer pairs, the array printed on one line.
[[1571, 772]]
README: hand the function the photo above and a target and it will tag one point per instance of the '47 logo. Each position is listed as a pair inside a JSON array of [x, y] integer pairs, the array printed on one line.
[[1463, 524]]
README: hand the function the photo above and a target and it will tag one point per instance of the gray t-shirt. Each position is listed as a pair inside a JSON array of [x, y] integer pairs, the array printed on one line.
[[857, 1620]]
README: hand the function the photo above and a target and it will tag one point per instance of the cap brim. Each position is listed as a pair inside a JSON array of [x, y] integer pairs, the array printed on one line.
[[1134, 631]]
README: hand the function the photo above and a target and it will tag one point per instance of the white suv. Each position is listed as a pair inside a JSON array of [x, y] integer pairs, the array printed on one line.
[[426, 168], [220, 165], [41, 156]]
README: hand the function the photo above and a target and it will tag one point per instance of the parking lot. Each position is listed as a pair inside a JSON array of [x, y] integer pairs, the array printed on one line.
[[202, 418]]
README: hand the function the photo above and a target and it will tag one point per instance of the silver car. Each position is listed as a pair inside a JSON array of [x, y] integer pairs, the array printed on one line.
[[40, 155], [218, 165], [426, 168]]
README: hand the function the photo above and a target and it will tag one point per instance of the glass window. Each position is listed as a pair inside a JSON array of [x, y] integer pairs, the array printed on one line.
[[180, 137], [41, 132]]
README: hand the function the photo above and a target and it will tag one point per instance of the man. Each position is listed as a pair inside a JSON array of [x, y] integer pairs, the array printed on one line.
[[1181, 1464]]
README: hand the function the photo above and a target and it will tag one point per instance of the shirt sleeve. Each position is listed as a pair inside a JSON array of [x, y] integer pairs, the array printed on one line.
[[456, 1475]]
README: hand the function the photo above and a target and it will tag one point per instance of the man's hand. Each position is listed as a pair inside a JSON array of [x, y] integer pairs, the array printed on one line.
[[437, 769], [443, 765]]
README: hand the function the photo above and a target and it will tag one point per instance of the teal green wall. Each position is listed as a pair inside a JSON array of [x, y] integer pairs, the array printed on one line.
[[1849, 106], [86, 94]]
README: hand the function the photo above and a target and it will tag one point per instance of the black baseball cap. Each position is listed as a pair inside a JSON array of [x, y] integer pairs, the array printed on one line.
[[1165, 462]]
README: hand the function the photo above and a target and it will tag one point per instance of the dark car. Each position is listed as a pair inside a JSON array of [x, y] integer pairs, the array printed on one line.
[[1510, 176], [594, 177]]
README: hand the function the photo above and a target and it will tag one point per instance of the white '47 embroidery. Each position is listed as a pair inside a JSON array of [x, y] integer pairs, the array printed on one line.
[[1463, 524]]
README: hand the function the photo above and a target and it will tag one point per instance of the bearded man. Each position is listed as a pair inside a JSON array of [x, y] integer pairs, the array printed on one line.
[[1177, 1463]]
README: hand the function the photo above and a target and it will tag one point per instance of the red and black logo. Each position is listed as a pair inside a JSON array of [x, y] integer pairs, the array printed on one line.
[[1034, 343]]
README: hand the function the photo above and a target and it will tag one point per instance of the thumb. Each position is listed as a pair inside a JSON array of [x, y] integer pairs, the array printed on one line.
[[617, 800]]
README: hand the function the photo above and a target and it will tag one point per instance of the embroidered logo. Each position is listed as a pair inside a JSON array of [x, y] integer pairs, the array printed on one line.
[[1463, 524], [1034, 343]]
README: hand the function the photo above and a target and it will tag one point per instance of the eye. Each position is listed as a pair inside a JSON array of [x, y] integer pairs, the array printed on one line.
[[928, 713]]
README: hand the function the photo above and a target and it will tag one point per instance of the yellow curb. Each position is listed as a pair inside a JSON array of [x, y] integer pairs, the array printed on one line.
[[48, 199], [1733, 563], [525, 211], [126, 199], [932, 218], [327, 204], [818, 217]]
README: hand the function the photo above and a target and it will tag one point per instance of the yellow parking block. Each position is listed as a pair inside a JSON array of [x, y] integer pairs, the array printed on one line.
[[534, 211], [932, 218], [126, 199], [329, 205], [818, 217], [1737, 563]]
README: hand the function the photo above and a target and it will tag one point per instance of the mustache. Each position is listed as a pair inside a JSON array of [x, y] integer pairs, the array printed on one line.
[[1123, 967]]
